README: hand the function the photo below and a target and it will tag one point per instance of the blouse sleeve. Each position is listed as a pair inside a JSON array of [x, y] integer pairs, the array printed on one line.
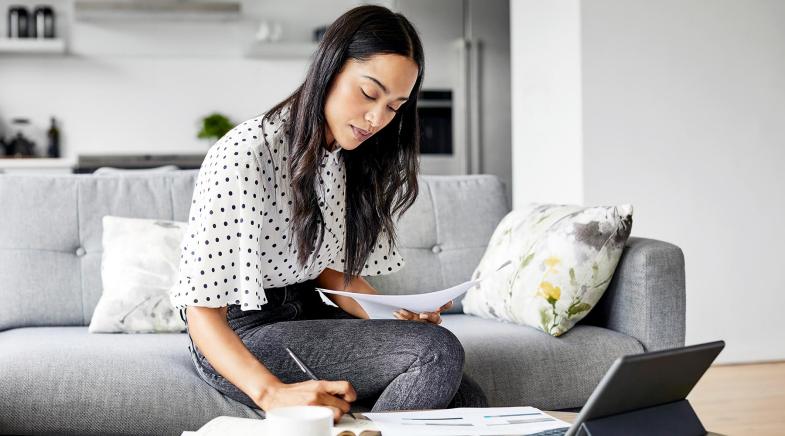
[[384, 258], [219, 261]]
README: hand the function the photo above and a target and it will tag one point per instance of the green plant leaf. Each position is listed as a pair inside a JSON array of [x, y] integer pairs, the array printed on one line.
[[527, 259], [545, 319], [577, 308], [543, 218], [214, 126]]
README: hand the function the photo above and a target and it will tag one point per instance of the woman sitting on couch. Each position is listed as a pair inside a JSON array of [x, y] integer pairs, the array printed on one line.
[[305, 196]]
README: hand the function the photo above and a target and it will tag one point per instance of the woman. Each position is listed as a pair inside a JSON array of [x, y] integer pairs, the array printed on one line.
[[305, 196]]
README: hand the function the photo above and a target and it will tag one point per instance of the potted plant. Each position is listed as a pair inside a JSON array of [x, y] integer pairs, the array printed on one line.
[[214, 126]]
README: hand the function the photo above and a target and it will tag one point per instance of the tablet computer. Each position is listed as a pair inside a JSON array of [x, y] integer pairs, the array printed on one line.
[[640, 381]]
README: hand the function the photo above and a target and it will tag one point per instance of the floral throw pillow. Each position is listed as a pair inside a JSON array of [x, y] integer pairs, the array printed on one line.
[[563, 259], [138, 266]]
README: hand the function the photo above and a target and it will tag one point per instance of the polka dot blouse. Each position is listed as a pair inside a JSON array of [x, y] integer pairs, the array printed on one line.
[[238, 241]]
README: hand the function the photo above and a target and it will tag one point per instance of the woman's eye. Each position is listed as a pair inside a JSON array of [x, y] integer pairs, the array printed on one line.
[[371, 98], [366, 95]]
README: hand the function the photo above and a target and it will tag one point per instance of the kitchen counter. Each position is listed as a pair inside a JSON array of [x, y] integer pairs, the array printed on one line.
[[17, 165], [90, 163]]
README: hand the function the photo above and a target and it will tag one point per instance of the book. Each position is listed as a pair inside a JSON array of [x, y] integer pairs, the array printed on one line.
[[224, 425]]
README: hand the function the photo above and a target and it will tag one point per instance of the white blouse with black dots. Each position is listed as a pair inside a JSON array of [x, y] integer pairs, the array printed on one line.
[[238, 241]]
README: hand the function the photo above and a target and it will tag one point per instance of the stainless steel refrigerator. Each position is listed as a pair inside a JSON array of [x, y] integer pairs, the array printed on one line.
[[467, 52]]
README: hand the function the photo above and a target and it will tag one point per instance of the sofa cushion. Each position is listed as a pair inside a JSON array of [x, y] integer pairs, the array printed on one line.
[[138, 267], [445, 233], [51, 247], [146, 383], [522, 366], [563, 258], [64, 380]]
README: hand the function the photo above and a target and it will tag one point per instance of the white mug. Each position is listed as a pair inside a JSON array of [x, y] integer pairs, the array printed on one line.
[[299, 421]]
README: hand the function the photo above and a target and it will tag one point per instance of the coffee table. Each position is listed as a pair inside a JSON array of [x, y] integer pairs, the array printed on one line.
[[242, 426], [248, 426]]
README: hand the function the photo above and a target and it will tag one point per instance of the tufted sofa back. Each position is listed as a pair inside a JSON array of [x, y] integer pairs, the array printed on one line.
[[51, 230]]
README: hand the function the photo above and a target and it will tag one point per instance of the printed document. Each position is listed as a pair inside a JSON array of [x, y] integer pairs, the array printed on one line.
[[379, 306], [466, 421]]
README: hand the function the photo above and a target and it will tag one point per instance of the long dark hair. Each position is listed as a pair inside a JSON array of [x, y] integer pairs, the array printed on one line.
[[381, 174]]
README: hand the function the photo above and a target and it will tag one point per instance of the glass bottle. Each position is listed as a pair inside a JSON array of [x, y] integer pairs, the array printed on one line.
[[53, 138]]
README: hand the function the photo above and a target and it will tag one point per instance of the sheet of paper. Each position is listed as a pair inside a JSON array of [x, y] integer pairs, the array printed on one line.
[[379, 306], [466, 421], [235, 426], [382, 306]]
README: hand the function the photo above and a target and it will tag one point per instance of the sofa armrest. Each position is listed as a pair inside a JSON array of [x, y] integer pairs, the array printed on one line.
[[646, 298]]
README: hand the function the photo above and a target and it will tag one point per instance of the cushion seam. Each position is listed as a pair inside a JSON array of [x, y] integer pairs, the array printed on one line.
[[81, 261]]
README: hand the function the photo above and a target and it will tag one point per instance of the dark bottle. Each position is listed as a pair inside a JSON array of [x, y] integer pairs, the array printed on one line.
[[53, 137], [43, 23], [18, 22], [20, 145]]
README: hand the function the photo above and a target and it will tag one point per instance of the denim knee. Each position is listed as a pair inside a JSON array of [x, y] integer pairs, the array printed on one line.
[[441, 345]]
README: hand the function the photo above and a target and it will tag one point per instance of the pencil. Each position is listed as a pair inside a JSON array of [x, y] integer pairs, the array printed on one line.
[[307, 370]]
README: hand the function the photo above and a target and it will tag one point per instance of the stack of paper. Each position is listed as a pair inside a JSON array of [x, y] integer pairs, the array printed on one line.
[[379, 306], [459, 421], [466, 421]]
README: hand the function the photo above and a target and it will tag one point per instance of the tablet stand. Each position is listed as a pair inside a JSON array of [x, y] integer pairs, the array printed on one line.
[[676, 419]]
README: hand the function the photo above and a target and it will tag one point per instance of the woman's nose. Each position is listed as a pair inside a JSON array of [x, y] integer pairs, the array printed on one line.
[[373, 118]]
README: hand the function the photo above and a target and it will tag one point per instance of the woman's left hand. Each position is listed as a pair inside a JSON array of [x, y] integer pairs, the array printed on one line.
[[432, 317]]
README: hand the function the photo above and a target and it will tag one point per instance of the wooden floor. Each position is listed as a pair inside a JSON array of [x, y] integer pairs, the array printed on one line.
[[742, 399]]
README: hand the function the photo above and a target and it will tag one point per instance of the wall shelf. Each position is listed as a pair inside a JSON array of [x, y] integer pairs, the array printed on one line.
[[36, 165], [32, 46], [167, 10]]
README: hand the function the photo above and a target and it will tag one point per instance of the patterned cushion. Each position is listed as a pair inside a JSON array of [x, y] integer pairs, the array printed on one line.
[[138, 266], [563, 259]]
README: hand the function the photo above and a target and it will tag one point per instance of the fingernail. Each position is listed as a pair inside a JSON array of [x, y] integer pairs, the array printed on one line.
[[423, 315]]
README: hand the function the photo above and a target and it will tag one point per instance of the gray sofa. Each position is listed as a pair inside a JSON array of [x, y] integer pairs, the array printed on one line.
[[55, 377]]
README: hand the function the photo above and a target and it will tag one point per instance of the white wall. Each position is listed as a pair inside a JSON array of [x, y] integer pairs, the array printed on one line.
[[136, 87], [111, 106], [683, 108], [546, 101], [684, 115]]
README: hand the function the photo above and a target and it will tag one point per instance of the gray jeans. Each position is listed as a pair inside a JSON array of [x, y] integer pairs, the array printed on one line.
[[392, 364]]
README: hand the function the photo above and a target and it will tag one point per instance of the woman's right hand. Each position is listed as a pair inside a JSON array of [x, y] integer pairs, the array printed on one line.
[[336, 395]]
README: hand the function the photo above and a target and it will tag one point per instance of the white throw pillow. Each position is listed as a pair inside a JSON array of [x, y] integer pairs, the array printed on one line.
[[138, 266], [563, 260]]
